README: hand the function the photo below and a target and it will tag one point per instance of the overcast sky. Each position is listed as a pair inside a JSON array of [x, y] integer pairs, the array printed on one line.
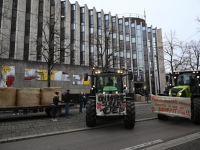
[[170, 15]]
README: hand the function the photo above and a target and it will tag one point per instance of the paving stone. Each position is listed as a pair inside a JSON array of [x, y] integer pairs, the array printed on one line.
[[33, 124]]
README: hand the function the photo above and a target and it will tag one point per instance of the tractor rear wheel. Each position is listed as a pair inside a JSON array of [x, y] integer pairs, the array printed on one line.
[[129, 119], [91, 113], [196, 111], [162, 117]]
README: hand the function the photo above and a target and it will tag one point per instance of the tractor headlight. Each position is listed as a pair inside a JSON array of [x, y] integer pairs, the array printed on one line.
[[179, 94], [116, 92], [104, 92]]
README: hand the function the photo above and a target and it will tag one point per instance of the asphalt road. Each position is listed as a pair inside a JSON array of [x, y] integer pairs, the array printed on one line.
[[35, 125], [151, 133]]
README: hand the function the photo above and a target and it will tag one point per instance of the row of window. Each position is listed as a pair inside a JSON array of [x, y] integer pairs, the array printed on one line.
[[82, 35]]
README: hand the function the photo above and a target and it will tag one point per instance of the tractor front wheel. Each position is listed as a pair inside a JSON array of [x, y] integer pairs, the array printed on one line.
[[129, 119], [91, 113], [196, 111]]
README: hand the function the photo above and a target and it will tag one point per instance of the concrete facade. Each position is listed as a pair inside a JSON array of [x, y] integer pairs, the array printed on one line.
[[20, 67], [132, 37]]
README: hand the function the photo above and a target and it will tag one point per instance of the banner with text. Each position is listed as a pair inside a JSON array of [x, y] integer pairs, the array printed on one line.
[[172, 106]]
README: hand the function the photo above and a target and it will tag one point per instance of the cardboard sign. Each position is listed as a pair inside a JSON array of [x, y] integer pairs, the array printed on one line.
[[110, 104]]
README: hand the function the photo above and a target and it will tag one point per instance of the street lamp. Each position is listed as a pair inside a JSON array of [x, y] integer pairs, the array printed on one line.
[[124, 69], [93, 68]]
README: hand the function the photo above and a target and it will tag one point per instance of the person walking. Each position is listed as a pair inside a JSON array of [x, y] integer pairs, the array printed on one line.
[[67, 101], [81, 101], [54, 105]]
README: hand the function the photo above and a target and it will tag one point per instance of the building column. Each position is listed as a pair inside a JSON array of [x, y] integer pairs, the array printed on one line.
[[57, 29], [20, 30], [6, 28], [86, 36], [46, 25], [33, 30], [67, 30], [95, 35], [77, 31], [161, 60], [118, 46]]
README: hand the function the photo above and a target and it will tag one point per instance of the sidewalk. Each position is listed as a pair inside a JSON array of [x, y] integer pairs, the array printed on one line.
[[34, 125]]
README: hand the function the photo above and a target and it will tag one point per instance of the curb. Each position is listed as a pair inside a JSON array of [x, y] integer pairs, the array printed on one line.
[[63, 132]]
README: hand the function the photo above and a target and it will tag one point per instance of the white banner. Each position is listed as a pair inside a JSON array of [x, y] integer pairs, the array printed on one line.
[[171, 106]]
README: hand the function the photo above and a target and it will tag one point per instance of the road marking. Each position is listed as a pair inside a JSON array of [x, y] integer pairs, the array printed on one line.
[[175, 142], [143, 145]]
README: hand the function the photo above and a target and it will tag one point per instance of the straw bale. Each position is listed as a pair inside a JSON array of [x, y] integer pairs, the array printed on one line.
[[47, 94], [28, 96], [7, 97]]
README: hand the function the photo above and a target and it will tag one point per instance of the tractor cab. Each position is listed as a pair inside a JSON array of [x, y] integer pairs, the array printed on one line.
[[186, 84], [109, 83]]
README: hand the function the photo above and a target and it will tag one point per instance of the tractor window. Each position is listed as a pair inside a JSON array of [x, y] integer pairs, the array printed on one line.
[[187, 79], [108, 80], [181, 80]]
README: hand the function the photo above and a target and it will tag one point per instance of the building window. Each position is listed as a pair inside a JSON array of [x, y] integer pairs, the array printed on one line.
[[82, 10], [73, 7], [99, 15], [120, 21], [40, 28], [13, 29], [106, 17], [27, 30], [91, 12]]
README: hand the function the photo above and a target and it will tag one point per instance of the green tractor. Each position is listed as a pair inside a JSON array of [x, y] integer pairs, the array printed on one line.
[[183, 99], [108, 97]]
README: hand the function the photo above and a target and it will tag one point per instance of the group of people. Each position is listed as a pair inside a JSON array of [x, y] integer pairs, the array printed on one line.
[[66, 100]]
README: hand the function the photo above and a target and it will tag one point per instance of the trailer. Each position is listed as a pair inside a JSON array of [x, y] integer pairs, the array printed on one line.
[[30, 98]]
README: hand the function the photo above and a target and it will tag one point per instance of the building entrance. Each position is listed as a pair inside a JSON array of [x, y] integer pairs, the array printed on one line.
[[139, 88]]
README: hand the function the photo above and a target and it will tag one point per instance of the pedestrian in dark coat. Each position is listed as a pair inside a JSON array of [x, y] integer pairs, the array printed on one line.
[[67, 101], [54, 105]]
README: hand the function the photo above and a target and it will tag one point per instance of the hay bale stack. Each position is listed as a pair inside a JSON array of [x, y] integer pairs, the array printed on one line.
[[7, 97], [47, 94], [137, 97], [28, 96]]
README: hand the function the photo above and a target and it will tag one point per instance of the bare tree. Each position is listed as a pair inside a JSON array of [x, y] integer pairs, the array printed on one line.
[[174, 53], [198, 19], [50, 48], [193, 52], [107, 49]]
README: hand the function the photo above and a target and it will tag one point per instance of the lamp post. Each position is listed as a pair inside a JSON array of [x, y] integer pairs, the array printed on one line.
[[126, 73], [93, 68]]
